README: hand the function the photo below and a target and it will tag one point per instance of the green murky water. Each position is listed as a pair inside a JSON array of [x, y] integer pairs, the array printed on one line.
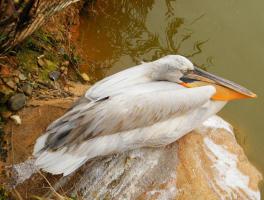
[[226, 37]]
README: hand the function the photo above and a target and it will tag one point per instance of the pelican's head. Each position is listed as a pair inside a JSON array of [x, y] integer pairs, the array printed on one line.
[[176, 68]]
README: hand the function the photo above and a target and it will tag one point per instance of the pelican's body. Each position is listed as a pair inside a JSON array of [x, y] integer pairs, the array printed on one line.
[[146, 105]]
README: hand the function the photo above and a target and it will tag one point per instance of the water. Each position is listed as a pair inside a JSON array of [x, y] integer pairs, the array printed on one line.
[[226, 37]]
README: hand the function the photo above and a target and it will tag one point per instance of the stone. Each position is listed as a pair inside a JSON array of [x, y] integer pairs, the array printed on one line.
[[16, 79], [46, 64], [41, 61], [11, 83], [27, 89], [17, 101], [85, 77], [54, 75], [207, 163], [62, 51], [22, 77], [16, 119]]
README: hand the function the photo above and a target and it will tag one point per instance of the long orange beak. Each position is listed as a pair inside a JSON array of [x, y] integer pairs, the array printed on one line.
[[225, 90]]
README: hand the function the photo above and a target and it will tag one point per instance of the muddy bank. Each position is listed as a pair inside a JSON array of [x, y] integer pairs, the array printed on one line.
[[44, 66], [36, 115]]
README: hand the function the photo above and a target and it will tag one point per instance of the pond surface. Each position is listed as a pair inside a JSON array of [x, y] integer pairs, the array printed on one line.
[[226, 37]]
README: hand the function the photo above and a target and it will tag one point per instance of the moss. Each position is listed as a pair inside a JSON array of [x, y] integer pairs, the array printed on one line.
[[40, 43], [3, 194], [49, 66], [28, 59]]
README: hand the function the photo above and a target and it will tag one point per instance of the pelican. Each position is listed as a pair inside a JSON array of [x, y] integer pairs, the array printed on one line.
[[149, 105]]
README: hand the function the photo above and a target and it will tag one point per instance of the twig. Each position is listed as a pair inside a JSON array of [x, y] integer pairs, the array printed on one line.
[[17, 194], [51, 187]]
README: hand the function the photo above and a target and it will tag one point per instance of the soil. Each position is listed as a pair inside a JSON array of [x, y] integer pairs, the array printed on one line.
[[44, 67]]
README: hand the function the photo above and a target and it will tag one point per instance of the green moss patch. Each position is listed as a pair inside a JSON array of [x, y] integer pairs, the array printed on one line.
[[3, 194], [37, 45]]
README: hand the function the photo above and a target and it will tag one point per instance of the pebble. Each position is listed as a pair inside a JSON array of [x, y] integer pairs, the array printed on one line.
[[11, 84], [17, 101], [27, 89], [16, 119], [41, 62], [22, 77], [85, 77], [62, 51], [16, 80], [54, 75], [45, 63]]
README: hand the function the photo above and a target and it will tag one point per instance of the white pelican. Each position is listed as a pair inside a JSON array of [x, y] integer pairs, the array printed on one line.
[[148, 105]]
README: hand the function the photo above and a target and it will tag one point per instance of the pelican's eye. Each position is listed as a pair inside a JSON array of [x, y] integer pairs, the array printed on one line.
[[186, 71]]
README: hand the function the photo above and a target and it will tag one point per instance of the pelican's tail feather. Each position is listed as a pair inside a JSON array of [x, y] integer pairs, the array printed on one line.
[[59, 162]]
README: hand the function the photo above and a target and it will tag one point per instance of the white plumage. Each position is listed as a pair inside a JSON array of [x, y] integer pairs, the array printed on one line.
[[141, 106]]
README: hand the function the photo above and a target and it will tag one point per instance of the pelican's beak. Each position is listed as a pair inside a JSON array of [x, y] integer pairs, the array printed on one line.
[[225, 90]]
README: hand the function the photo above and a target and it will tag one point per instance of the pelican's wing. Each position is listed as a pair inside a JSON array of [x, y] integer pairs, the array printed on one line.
[[136, 107], [124, 79]]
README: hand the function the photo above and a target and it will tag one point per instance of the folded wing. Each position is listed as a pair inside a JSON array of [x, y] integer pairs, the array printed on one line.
[[132, 108]]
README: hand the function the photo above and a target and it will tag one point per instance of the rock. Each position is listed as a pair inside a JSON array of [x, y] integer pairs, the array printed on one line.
[[16, 79], [54, 75], [46, 64], [205, 164], [62, 51], [85, 77], [41, 62], [11, 83], [16, 119], [22, 77], [17, 101], [27, 89]]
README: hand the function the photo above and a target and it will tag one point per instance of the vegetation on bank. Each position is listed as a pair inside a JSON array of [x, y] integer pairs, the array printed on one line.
[[40, 67]]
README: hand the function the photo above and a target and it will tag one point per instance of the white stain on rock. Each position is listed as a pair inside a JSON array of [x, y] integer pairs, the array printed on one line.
[[229, 182], [216, 122]]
